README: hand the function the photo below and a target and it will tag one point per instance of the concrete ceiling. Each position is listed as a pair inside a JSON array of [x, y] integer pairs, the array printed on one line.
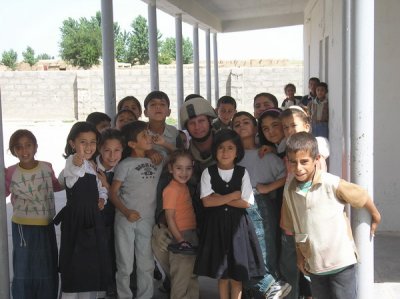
[[236, 15]]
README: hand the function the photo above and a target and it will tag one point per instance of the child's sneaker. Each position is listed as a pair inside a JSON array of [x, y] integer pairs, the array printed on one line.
[[279, 289], [183, 247]]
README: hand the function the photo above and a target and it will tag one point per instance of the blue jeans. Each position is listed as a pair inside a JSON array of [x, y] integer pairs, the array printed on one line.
[[35, 259], [268, 211], [288, 264], [342, 285], [264, 284]]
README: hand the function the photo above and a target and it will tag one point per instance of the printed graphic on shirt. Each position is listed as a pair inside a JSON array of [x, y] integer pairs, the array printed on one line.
[[147, 170]]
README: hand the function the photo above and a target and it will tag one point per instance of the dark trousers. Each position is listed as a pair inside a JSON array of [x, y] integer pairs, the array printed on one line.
[[342, 285]]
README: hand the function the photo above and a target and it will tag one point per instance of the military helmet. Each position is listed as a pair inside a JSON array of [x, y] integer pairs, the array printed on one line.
[[195, 107]]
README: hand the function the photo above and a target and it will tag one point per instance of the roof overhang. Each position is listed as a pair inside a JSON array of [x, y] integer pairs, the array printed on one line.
[[233, 16]]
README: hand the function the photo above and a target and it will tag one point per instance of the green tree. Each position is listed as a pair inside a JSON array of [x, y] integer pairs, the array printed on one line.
[[9, 58], [29, 56], [168, 51], [44, 56], [81, 41], [121, 39], [138, 43]]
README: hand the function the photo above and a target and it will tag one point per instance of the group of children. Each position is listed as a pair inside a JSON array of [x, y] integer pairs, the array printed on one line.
[[268, 199]]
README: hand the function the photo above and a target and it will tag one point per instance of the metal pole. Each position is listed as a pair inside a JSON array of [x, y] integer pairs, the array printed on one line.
[[208, 65], [4, 267], [216, 78], [196, 60], [107, 30], [362, 128], [179, 63], [346, 49], [153, 47]]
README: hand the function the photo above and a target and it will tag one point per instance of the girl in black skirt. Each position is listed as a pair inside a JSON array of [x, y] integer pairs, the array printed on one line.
[[229, 249]]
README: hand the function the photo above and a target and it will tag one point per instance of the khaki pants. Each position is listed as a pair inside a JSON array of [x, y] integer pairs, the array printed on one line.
[[178, 267]]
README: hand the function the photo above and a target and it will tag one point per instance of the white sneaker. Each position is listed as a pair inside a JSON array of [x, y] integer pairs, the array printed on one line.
[[279, 289]]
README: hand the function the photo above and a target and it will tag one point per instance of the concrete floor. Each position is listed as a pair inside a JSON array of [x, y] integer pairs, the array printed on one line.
[[51, 139]]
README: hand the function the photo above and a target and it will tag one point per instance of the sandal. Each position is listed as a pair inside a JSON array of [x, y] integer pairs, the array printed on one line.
[[183, 247]]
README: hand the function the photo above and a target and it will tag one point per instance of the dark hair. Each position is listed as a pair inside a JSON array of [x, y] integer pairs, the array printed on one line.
[[226, 100], [177, 154], [156, 95], [121, 112], [17, 135], [78, 128], [225, 135], [97, 117], [130, 132], [289, 85], [324, 85], [273, 113], [129, 98], [244, 113], [302, 141], [192, 96], [110, 134], [269, 96], [315, 79], [299, 111]]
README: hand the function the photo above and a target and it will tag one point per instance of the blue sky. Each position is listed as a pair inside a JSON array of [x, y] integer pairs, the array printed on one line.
[[36, 24]]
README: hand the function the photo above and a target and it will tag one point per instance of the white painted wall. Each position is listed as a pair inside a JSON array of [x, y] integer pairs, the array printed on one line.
[[323, 18], [323, 31], [387, 109]]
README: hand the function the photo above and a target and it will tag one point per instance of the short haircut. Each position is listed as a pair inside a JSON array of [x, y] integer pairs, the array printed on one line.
[[226, 100], [178, 153], [225, 135], [17, 135], [192, 96], [245, 113], [129, 98], [130, 132], [121, 112], [110, 134], [269, 96], [156, 95], [298, 111], [315, 79], [97, 117], [324, 85], [288, 86], [302, 141]]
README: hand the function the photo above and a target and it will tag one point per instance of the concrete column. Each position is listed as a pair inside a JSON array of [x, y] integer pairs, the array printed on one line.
[[196, 60], [153, 47], [362, 128], [216, 78], [179, 63], [107, 30], [4, 267], [208, 65]]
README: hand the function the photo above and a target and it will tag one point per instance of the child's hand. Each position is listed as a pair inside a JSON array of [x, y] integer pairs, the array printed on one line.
[[262, 189], [78, 159], [237, 195], [301, 264], [158, 139], [155, 157], [101, 204], [265, 149], [162, 237], [103, 179], [132, 215], [375, 220]]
